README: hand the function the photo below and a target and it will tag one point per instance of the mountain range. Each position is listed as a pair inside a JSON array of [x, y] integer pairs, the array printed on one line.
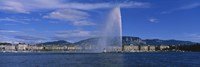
[[59, 42], [126, 40]]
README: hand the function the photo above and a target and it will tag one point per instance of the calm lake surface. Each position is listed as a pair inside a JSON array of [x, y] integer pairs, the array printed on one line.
[[157, 59]]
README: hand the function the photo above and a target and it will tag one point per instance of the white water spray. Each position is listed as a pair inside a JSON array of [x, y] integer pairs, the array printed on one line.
[[111, 37]]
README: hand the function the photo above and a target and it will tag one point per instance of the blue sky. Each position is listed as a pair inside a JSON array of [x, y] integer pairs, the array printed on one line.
[[34, 21]]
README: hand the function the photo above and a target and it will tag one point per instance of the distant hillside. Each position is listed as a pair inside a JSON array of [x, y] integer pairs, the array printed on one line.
[[90, 41], [5, 43], [60, 42], [167, 42], [127, 40], [132, 40]]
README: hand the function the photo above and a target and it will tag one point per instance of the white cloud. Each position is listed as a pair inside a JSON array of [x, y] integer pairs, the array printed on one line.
[[68, 13], [184, 7], [77, 17], [195, 36], [7, 19], [63, 10], [83, 22], [22, 20], [15, 40], [9, 39], [26, 6], [7, 24], [74, 35], [133, 4], [190, 6], [12, 36], [12, 6], [7, 31], [153, 20]]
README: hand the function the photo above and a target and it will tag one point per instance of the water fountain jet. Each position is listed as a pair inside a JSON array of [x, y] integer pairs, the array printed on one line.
[[111, 36]]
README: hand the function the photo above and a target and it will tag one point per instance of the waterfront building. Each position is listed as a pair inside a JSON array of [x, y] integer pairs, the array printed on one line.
[[65, 48], [22, 47], [116, 49], [143, 48], [151, 48], [113, 49], [54, 48], [71, 48], [162, 47], [138, 48], [130, 48], [35, 48], [74, 48], [9, 48], [2, 47]]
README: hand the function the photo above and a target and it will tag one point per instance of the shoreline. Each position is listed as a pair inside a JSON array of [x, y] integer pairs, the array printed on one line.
[[87, 52]]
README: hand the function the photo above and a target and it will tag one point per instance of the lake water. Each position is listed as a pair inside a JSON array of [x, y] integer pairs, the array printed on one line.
[[157, 59]]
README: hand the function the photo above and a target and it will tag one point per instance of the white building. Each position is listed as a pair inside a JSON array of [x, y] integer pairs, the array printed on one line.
[[55, 47], [152, 48], [34, 47], [7, 48], [131, 48], [162, 47], [22, 47], [144, 48]]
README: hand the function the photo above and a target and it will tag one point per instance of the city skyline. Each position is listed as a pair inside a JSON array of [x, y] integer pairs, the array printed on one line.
[[43, 20]]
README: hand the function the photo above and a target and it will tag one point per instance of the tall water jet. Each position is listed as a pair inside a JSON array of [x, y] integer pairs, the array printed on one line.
[[111, 36]]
